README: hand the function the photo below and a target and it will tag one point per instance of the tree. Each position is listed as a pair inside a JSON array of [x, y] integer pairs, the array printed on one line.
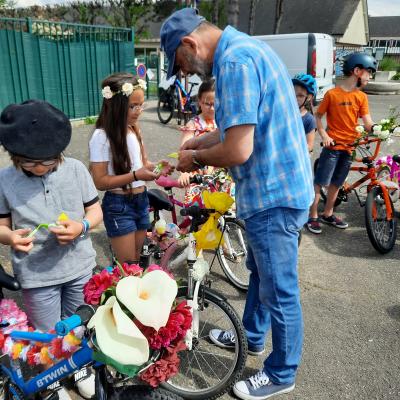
[[233, 12], [278, 15], [252, 16], [215, 12]]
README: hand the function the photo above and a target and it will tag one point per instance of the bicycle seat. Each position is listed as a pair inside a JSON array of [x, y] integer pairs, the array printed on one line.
[[396, 158], [159, 200], [8, 281], [167, 183]]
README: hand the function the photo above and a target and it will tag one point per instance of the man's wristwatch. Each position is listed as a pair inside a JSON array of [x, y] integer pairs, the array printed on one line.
[[195, 160]]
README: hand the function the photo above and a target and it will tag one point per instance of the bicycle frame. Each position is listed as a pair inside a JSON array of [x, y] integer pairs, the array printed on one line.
[[371, 175], [182, 95], [61, 370]]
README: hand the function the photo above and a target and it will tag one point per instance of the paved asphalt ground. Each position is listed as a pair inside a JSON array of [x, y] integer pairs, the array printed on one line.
[[350, 293]]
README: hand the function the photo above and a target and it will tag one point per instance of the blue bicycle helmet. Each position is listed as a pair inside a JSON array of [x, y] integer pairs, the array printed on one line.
[[362, 60], [307, 82]]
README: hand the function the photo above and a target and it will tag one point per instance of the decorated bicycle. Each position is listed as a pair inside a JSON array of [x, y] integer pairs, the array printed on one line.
[[380, 219], [136, 336], [231, 252]]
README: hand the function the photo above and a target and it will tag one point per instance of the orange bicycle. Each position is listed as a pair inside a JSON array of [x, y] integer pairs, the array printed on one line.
[[380, 219]]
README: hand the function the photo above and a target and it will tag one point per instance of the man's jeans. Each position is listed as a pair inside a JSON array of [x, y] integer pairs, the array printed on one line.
[[273, 298]]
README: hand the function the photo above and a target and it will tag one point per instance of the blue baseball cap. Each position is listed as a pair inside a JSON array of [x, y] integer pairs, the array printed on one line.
[[180, 24]]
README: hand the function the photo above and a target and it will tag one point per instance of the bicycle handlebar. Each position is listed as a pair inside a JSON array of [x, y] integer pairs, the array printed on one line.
[[196, 212], [81, 317], [366, 140]]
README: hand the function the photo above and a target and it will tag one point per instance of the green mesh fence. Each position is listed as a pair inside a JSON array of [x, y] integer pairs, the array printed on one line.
[[61, 63]]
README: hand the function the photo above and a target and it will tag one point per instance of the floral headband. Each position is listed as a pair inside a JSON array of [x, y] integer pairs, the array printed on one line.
[[126, 89]]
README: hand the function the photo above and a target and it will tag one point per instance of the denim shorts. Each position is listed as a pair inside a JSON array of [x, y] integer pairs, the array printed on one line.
[[333, 167], [125, 213]]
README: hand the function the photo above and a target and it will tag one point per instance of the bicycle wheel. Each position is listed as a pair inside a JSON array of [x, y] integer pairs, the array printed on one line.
[[165, 107], [11, 391], [232, 254], [381, 231], [109, 387], [383, 174], [208, 371], [143, 392]]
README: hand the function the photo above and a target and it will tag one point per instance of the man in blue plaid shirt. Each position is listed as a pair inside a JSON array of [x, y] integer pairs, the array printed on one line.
[[261, 139]]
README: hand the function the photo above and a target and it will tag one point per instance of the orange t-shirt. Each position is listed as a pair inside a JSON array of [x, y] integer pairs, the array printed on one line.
[[342, 112]]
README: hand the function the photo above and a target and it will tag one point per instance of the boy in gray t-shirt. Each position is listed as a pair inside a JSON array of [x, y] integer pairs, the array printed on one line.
[[51, 264]]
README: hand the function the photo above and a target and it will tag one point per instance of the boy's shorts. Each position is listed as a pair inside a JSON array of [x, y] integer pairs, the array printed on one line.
[[333, 167], [125, 213]]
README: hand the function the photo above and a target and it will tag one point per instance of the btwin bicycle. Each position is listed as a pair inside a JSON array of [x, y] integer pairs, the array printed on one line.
[[380, 219], [175, 98], [42, 386], [232, 255]]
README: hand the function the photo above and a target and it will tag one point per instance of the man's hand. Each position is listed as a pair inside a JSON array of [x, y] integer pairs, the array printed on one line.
[[67, 231], [191, 144], [19, 241], [185, 161]]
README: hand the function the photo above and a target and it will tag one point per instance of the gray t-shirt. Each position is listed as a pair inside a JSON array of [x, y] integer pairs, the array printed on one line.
[[32, 200]]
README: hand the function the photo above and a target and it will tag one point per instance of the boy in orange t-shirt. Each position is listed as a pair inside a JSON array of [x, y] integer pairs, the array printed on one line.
[[343, 106]]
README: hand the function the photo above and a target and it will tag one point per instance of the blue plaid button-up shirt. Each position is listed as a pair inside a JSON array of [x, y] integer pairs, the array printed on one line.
[[254, 87]]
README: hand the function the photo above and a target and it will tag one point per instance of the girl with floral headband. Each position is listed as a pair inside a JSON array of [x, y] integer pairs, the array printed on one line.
[[119, 165]]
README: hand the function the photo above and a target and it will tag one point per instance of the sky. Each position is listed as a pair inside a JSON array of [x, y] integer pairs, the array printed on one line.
[[376, 7]]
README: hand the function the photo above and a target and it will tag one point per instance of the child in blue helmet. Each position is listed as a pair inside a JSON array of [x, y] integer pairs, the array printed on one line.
[[305, 88]]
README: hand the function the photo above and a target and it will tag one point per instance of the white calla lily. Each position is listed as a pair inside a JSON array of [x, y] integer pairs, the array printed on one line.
[[149, 298], [396, 130], [117, 336]]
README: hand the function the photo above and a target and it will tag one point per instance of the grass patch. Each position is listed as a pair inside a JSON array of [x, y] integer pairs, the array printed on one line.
[[90, 120]]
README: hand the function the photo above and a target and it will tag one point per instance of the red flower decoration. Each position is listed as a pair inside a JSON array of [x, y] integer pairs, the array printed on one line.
[[155, 267], [164, 368], [179, 321], [31, 355], [129, 269], [96, 285]]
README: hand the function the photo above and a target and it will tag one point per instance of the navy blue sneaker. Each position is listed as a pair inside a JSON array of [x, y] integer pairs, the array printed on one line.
[[226, 340], [259, 387]]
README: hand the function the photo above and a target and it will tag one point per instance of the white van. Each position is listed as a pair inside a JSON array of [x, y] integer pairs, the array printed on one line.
[[309, 53]]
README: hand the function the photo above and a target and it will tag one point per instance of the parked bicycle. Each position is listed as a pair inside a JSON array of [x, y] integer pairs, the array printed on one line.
[[232, 255], [380, 220], [177, 100], [205, 371], [108, 385]]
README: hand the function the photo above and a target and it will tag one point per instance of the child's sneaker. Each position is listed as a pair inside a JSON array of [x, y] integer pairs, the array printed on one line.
[[259, 387], [84, 382], [335, 221], [314, 226]]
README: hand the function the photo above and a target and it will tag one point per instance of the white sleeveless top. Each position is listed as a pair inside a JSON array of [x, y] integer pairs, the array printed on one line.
[[100, 151]]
